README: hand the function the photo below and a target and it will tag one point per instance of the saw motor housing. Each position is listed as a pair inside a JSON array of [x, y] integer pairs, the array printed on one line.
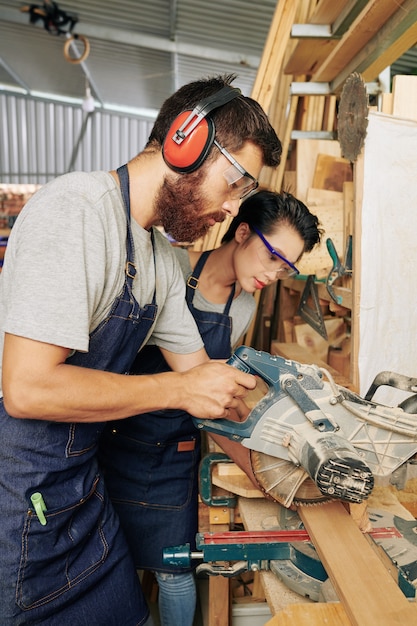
[[340, 439]]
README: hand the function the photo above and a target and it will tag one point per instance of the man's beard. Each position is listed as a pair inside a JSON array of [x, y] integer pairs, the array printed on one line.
[[179, 205]]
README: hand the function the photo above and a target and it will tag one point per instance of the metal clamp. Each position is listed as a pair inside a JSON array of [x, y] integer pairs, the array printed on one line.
[[205, 472]]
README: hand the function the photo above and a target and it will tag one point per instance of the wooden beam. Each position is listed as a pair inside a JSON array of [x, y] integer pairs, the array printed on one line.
[[375, 14], [390, 41], [327, 11], [368, 593]]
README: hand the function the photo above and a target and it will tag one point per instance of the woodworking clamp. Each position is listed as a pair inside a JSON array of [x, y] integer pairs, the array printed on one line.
[[338, 270], [205, 481], [291, 556]]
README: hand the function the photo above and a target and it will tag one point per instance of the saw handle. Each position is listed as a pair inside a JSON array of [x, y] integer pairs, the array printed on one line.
[[254, 362]]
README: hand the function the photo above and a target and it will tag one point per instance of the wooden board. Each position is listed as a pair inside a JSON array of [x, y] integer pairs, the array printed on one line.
[[307, 151], [374, 15], [367, 591], [404, 95], [310, 339], [318, 614], [331, 172], [236, 481], [397, 35], [328, 206], [274, 52]]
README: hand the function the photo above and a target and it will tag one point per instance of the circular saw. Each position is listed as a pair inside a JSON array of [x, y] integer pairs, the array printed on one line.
[[285, 482], [352, 118], [312, 440]]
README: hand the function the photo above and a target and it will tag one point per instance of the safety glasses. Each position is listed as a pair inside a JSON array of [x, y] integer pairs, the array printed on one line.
[[240, 182], [271, 260]]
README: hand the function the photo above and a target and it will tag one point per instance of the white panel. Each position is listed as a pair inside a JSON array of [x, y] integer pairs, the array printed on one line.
[[388, 321]]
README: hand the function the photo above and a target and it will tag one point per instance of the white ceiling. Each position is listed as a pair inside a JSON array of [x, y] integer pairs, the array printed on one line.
[[140, 51]]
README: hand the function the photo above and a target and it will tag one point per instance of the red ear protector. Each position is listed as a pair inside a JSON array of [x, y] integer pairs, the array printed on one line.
[[192, 133]]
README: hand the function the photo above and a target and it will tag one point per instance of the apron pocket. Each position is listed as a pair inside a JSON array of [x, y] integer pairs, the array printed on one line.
[[160, 476], [62, 554]]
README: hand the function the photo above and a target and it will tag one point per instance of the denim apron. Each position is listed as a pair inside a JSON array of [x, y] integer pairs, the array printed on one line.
[[151, 461], [75, 569]]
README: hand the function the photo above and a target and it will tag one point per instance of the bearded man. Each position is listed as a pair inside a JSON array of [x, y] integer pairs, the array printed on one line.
[[87, 281]]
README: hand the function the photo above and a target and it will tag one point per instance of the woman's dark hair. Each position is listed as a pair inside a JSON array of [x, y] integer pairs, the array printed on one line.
[[240, 120], [266, 209]]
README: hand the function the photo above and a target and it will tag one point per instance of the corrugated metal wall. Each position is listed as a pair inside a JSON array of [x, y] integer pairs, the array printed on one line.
[[40, 140]]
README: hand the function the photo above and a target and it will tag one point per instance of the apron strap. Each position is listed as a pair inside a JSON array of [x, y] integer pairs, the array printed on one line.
[[192, 282], [123, 175]]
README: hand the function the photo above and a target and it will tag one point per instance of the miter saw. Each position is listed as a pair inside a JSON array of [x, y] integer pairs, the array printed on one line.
[[312, 440]]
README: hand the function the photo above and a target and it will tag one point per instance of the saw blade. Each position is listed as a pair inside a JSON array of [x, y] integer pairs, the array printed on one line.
[[285, 482], [352, 118]]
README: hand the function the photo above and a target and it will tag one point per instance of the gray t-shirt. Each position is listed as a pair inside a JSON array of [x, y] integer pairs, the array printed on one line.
[[242, 309], [65, 262]]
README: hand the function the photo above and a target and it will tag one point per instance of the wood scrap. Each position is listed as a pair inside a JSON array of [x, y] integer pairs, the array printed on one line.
[[236, 483], [331, 172], [309, 338], [307, 151]]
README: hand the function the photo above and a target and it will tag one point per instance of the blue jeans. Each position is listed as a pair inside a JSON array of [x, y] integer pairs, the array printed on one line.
[[177, 598]]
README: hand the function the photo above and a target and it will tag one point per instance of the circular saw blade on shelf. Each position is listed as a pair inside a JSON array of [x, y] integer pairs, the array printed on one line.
[[352, 118], [285, 482]]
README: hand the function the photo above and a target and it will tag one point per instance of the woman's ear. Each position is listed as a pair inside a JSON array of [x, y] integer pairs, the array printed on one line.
[[243, 232]]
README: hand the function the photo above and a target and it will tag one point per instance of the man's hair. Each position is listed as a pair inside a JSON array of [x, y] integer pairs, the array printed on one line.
[[266, 210], [240, 120]]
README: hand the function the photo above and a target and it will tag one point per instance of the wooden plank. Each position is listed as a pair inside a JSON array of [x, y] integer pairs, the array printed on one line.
[[309, 55], [239, 484], [404, 93], [263, 514], [348, 205], [386, 103], [358, 176], [396, 36], [331, 172], [219, 596], [319, 259], [274, 51], [307, 151], [316, 614], [327, 11], [368, 593], [310, 339], [374, 15]]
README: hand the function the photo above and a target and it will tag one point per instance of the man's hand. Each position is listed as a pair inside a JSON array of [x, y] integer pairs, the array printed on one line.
[[214, 389]]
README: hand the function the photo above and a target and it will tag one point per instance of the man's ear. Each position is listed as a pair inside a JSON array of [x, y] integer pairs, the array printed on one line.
[[243, 232]]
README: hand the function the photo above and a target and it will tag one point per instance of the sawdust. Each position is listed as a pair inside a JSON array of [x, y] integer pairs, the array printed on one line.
[[409, 493], [390, 498]]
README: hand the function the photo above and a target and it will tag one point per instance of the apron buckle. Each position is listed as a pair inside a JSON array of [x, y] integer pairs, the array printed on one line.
[[192, 282], [130, 269]]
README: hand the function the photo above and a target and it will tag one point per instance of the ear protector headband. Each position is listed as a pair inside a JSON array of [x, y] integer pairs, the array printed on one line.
[[192, 133]]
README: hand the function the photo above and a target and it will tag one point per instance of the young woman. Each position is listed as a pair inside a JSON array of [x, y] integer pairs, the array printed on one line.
[[151, 461]]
